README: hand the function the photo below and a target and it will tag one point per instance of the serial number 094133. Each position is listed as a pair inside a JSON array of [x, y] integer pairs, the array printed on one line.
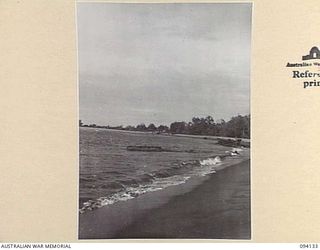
[[313, 245]]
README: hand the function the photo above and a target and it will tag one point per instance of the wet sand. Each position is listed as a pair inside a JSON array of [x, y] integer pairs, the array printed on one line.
[[217, 209], [212, 207]]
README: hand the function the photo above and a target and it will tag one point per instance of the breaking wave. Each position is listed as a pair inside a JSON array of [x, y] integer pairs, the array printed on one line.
[[178, 174], [211, 161]]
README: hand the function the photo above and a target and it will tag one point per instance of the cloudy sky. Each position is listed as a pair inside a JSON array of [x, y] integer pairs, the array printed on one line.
[[159, 63]]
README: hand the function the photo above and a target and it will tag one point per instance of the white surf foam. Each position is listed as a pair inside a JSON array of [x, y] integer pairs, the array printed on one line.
[[199, 168], [211, 161], [132, 192]]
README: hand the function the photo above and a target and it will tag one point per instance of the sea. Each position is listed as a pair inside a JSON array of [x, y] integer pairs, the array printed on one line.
[[110, 173]]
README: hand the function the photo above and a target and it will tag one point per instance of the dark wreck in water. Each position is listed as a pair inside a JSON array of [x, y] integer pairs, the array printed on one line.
[[145, 148]]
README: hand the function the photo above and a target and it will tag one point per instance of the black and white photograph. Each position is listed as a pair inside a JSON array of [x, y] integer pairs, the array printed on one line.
[[164, 120]]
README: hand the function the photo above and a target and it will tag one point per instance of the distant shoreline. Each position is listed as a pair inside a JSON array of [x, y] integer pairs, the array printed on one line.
[[169, 134]]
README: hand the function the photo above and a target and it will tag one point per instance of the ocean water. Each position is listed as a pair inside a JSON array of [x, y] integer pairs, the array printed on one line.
[[110, 173]]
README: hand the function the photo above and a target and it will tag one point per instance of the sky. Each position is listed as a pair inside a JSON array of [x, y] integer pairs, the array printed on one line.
[[160, 63]]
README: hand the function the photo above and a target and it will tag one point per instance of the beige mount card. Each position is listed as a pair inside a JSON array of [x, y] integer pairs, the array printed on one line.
[[45, 194]]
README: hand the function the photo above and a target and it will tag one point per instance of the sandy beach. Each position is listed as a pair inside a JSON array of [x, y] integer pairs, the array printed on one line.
[[216, 206]]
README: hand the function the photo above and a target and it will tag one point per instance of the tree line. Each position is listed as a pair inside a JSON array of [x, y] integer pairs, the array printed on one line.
[[237, 126]]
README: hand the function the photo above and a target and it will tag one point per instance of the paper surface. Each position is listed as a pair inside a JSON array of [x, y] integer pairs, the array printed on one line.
[[39, 117]]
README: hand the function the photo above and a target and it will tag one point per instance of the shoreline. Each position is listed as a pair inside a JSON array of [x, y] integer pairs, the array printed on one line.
[[201, 213], [140, 217], [210, 137]]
